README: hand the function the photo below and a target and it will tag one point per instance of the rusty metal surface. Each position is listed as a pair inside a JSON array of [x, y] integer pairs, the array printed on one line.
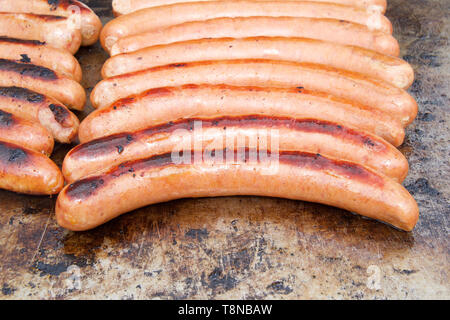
[[249, 247]]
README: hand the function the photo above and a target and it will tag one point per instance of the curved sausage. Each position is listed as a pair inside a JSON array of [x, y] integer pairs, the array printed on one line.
[[158, 17], [38, 53], [33, 106], [89, 22], [370, 63], [308, 135], [267, 73], [121, 7], [162, 105], [333, 30], [26, 171], [42, 80], [56, 31], [97, 199], [25, 133]]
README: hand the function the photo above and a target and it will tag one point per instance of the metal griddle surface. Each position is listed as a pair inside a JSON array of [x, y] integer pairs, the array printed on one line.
[[250, 247]]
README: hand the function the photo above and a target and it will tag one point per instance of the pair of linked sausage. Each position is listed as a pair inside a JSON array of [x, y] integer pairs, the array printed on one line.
[[158, 17], [286, 133], [370, 63], [28, 134], [333, 30], [37, 107], [162, 105], [297, 175], [375, 94], [82, 16], [38, 53], [56, 31], [27, 171], [121, 7], [43, 80]]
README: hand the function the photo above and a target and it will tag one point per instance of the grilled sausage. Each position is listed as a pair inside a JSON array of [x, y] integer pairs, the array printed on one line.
[[26, 171], [370, 63], [308, 135], [355, 87], [121, 7], [33, 106], [56, 31], [88, 22], [162, 105], [158, 17], [333, 30], [97, 199], [25, 133], [42, 80], [38, 53]]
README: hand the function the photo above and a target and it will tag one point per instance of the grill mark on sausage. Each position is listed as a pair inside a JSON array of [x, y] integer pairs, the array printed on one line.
[[21, 41], [22, 94], [85, 188], [6, 119], [59, 112], [12, 154], [25, 58], [29, 70], [109, 144], [43, 17]]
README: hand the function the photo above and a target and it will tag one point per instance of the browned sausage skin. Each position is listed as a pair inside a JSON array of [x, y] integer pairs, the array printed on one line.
[[375, 94], [38, 53], [56, 31], [338, 31], [42, 80], [33, 106], [309, 135], [26, 171], [121, 7], [158, 17], [97, 199], [89, 22], [370, 63], [25, 133]]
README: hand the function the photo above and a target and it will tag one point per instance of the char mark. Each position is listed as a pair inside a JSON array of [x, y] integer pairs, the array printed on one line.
[[12, 154], [6, 119], [25, 58], [85, 188], [21, 41], [29, 70], [60, 113], [22, 94]]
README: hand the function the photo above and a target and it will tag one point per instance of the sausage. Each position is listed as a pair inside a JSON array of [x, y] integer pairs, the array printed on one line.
[[33, 106], [25, 133], [89, 22], [162, 105], [38, 53], [97, 199], [370, 63], [339, 31], [374, 93], [121, 7], [26, 171], [42, 80], [56, 31], [308, 135], [158, 17]]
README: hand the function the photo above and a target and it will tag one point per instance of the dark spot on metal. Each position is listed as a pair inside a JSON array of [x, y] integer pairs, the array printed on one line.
[[25, 58], [404, 271], [199, 234], [279, 287], [422, 186], [22, 94], [217, 279], [7, 290], [28, 70]]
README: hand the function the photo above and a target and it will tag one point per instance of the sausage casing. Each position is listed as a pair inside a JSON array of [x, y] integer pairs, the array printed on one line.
[[370, 63], [97, 199], [26, 171]]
